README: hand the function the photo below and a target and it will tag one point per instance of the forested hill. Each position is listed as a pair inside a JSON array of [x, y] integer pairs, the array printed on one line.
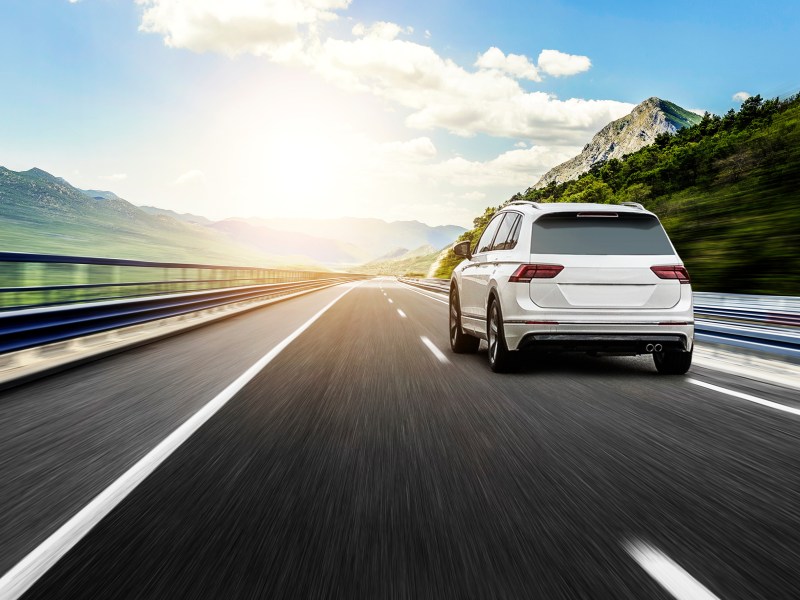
[[727, 190]]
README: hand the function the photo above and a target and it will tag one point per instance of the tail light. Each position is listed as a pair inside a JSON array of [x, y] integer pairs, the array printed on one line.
[[672, 272], [525, 273]]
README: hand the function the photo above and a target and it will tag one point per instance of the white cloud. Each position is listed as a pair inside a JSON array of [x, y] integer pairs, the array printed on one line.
[[442, 94], [193, 176], [416, 149], [275, 28], [741, 96], [517, 65], [516, 168], [473, 196], [381, 30], [114, 177], [559, 64], [437, 92], [521, 145]]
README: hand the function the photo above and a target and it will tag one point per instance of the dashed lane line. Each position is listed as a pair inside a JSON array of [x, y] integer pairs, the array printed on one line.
[[434, 350], [667, 572]]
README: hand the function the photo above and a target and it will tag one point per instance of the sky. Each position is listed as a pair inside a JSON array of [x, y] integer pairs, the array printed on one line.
[[410, 110]]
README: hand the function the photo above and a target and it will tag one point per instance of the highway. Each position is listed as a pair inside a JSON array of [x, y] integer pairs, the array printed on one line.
[[365, 460]]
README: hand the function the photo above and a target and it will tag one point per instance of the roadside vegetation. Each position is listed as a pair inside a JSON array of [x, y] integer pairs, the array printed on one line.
[[727, 191], [411, 264]]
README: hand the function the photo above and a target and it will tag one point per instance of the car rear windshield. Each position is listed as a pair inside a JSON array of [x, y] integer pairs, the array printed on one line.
[[599, 233]]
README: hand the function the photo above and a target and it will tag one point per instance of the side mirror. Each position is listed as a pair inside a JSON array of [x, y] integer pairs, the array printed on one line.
[[462, 249]]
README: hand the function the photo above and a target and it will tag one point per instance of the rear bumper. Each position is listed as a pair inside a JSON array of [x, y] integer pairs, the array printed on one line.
[[620, 330], [624, 338]]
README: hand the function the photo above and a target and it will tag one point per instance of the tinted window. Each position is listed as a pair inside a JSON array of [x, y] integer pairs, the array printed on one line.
[[569, 233], [504, 233], [505, 238], [512, 242], [488, 234]]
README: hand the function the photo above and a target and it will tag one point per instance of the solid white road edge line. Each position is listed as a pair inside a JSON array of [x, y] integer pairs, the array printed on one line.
[[768, 370], [401, 313], [667, 572], [436, 352], [416, 291], [26, 572], [748, 397]]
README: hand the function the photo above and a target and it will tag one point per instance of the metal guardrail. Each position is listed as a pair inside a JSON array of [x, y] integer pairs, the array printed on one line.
[[106, 294], [29, 328], [762, 323], [28, 280], [434, 285], [770, 310]]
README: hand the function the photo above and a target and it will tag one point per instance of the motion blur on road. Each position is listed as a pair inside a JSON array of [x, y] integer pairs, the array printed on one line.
[[365, 460]]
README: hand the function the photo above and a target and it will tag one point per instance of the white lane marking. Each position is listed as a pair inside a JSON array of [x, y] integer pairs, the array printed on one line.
[[26, 572], [416, 291], [401, 313], [436, 352], [748, 397], [391, 301], [668, 573]]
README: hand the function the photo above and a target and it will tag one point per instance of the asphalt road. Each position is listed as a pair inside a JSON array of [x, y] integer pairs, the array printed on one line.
[[363, 462]]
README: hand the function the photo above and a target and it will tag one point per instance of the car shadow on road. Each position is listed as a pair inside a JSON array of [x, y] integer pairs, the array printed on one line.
[[539, 363]]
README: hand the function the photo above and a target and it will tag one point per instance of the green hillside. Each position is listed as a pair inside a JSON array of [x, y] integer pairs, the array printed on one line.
[[410, 264], [45, 214], [680, 117], [726, 189]]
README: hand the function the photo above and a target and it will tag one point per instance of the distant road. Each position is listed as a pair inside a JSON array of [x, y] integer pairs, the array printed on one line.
[[365, 460]]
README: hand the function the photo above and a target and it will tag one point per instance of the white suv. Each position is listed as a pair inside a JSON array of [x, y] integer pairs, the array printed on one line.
[[592, 278]]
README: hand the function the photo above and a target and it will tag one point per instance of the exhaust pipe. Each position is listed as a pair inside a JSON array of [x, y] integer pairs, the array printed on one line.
[[649, 347], [658, 348]]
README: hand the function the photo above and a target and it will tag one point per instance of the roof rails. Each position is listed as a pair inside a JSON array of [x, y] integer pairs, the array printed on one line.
[[525, 202], [633, 204]]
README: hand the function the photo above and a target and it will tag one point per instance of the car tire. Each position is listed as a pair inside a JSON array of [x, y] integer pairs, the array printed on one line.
[[460, 342], [672, 363], [500, 357]]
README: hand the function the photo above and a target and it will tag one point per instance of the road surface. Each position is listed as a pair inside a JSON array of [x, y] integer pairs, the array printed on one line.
[[365, 460]]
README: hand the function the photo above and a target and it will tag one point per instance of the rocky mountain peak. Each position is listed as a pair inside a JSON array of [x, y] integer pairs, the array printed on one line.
[[632, 132]]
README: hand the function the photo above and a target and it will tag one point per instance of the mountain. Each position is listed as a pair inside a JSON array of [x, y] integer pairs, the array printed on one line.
[[185, 217], [277, 242], [415, 263], [101, 195], [727, 190], [623, 136], [396, 253], [43, 213], [375, 236]]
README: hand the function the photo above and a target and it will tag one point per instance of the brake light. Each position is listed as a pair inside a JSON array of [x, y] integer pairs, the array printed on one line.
[[672, 272], [525, 273]]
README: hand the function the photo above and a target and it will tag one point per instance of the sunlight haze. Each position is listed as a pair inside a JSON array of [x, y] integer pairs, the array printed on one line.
[[291, 108]]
